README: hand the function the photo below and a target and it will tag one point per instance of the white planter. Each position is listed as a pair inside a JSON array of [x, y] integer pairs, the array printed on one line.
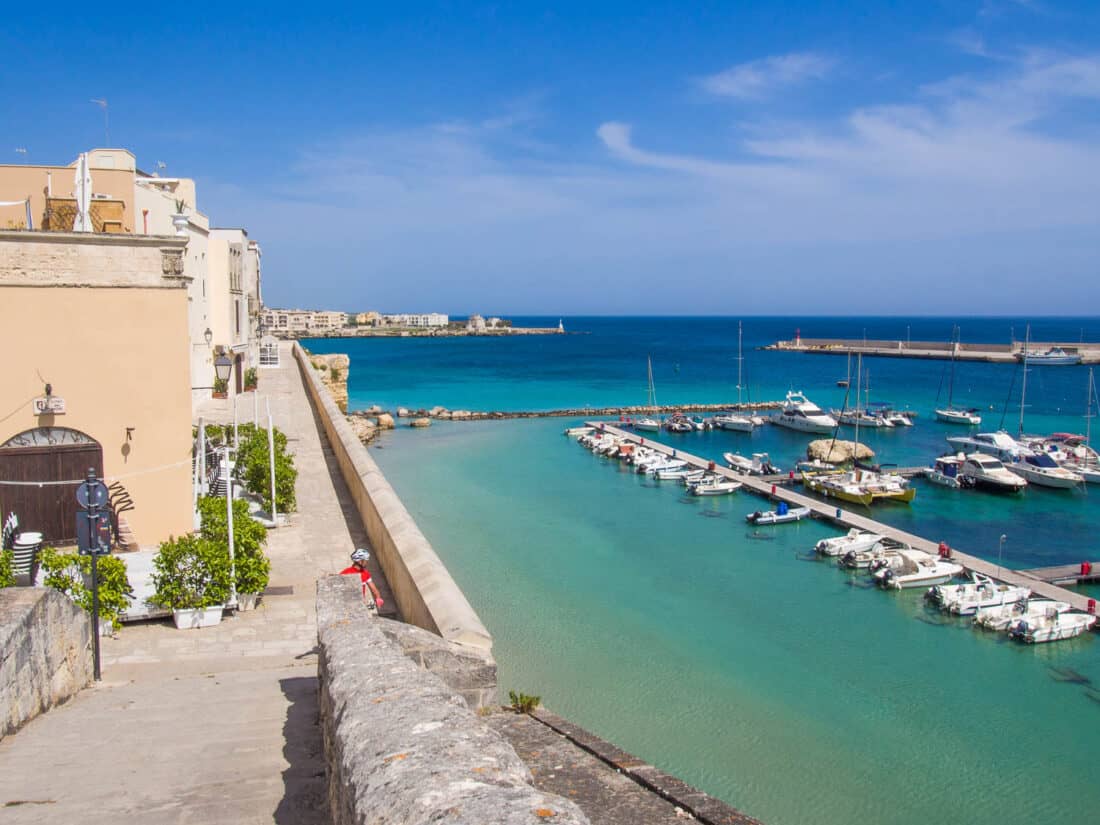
[[106, 627], [247, 601], [180, 224], [199, 617]]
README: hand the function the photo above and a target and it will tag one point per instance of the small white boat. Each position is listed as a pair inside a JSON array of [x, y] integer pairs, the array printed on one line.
[[1003, 616], [647, 425], [1043, 470], [854, 539], [1053, 357], [714, 486], [759, 465], [957, 415], [879, 555], [671, 464], [899, 418], [816, 466], [679, 424], [1051, 627], [861, 418], [945, 472], [981, 591], [735, 422], [780, 515], [675, 474], [917, 569], [988, 472], [579, 431], [799, 413]]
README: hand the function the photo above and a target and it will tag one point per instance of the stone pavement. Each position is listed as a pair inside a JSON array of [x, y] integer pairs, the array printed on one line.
[[213, 725]]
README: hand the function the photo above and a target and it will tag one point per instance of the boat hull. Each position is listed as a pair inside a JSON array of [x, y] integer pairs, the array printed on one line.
[[958, 417]]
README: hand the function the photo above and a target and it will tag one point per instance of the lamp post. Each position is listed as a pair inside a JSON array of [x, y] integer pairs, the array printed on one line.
[[208, 336], [229, 524], [1000, 553]]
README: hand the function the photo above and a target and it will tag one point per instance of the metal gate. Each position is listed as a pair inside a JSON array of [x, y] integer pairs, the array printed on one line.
[[48, 454]]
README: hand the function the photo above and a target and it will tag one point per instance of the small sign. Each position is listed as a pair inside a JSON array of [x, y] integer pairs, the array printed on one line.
[[93, 533], [92, 494], [49, 405]]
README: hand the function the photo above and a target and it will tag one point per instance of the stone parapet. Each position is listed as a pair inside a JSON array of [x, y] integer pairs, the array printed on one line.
[[426, 594], [45, 653], [399, 745]]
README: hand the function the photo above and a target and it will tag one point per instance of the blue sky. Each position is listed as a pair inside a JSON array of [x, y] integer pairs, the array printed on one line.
[[566, 158]]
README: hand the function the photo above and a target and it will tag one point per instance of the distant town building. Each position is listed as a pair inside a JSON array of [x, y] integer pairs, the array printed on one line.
[[291, 323], [369, 319], [431, 319], [475, 324]]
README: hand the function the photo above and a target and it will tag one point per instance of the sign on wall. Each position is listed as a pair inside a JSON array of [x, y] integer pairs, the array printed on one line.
[[49, 405]]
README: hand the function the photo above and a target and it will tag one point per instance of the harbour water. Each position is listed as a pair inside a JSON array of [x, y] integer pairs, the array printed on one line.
[[724, 654]]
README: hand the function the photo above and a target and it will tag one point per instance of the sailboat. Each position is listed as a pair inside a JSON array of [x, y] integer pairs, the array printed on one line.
[[861, 416], [649, 423], [952, 414], [737, 421]]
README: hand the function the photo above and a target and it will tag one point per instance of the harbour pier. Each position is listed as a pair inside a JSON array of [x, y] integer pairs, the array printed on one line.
[[1009, 353], [1034, 580]]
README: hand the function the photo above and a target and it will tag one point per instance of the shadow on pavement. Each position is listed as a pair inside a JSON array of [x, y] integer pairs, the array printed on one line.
[[305, 800]]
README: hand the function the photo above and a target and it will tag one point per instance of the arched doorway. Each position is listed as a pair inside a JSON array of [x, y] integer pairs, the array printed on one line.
[[43, 455]]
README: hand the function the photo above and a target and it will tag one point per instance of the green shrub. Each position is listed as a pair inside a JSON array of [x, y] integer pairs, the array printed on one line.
[[522, 703], [7, 574], [191, 572], [251, 566], [71, 574], [251, 377], [253, 467], [221, 385]]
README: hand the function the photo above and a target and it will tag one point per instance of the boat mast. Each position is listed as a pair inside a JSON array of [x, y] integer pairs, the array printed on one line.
[[1088, 411], [651, 391], [740, 361], [1023, 387], [951, 385], [859, 369]]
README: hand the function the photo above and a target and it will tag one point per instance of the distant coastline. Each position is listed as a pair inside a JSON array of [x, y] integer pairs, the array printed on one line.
[[418, 332]]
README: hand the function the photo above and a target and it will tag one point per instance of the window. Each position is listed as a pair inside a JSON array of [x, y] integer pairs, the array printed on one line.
[[237, 303]]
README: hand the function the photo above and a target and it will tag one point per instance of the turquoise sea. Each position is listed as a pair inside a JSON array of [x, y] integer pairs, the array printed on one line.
[[726, 655]]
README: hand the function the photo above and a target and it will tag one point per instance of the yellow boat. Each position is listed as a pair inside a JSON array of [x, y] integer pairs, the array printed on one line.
[[860, 486]]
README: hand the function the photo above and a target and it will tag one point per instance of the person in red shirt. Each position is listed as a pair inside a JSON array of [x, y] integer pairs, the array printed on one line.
[[359, 565]]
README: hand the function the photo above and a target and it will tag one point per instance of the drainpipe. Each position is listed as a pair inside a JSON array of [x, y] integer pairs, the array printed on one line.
[[144, 221]]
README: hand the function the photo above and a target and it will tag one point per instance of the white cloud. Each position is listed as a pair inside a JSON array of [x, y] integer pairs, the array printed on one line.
[[759, 78]]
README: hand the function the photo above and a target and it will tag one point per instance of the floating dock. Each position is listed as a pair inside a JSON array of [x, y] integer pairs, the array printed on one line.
[[846, 519], [1010, 353]]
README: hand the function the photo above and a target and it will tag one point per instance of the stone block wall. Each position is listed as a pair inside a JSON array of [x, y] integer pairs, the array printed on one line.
[[399, 745], [45, 653]]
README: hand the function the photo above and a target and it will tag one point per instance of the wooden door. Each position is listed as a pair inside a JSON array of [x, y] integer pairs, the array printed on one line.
[[51, 508]]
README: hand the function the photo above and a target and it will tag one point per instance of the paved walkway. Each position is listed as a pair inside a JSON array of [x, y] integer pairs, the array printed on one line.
[[204, 726]]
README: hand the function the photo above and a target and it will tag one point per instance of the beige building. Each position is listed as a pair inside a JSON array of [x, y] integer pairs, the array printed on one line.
[[295, 323], [369, 319], [97, 375]]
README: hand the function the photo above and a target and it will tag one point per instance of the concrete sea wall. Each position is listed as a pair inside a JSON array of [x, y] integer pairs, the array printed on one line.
[[399, 744], [45, 653], [426, 594]]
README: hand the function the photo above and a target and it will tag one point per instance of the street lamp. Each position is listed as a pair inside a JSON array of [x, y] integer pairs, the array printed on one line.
[[208, 335], [1000, 553], [223, 367]]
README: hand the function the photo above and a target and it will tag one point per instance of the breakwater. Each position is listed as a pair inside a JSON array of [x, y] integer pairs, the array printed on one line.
[[1010, 353], [444, 414]]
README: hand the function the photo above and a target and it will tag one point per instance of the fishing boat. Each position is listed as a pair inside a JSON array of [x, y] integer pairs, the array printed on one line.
[[989, 473], [981, 591], [799, 413], [945, 472], [1053, 357], [714, 486], [1041, 469], [1051, 627], [854, 539], [782, 514], [759, 465], [916, 569], [650, 423], [1003, 616], [952, 414], [864, 487]]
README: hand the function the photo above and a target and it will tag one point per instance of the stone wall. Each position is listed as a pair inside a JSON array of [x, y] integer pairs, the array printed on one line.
[[333, 370], [45, 653], [426, 594], [399, 745], [71, 259]]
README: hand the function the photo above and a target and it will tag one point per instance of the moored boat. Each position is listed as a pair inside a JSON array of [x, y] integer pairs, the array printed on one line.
[[917, 569], [1003, 616], [1042, 470], [1053, 357], [854, 539], [945, 472], [864, 487], [1051, 627], [714, 486], [799, 413], [759, 465], [782, 514], [989, 473]]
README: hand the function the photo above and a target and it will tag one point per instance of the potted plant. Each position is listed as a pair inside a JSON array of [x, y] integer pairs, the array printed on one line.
[[251, 567], [250, 379], [179, 220], [7, 573], [71, 574], [191, 577], [221, 388]]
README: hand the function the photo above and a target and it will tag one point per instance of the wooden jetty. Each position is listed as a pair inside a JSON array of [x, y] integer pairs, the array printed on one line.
[[846, 519]]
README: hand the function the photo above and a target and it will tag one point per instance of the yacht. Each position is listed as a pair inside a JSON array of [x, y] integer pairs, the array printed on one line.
[[1043, 470], [854, 539], [917, 569], [714, 486], [1055, 356], [1004, 616], [864, 487], [799, 413], [737, 422], [956, 415], [981, 591], [988, 472], [999, 444], [945, 472], [647, 424], [780, 515], [1051, 627], [759, 465]]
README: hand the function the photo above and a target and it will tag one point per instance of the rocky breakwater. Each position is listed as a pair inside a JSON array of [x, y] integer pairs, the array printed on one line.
[[444, 414], [367, 424], [333, 370]]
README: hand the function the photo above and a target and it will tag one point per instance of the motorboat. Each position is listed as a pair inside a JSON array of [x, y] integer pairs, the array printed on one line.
[[981, 591], [1053, 357], [736, 422], [799, 413], [861, 418], [999, 444], [945, 472], [957, 415], [899, 418], [1043, 470], [576, 432], [989, 473], [674, 473], [679, 424], [694, 477], [782, 514], [806, 467], [854, 539], [714, 486], [1003, 616], [759, 465], [647, 424], [864, 487], [878, 555], [671, 464], [700, 423], [917, 569], [1051, 627]]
